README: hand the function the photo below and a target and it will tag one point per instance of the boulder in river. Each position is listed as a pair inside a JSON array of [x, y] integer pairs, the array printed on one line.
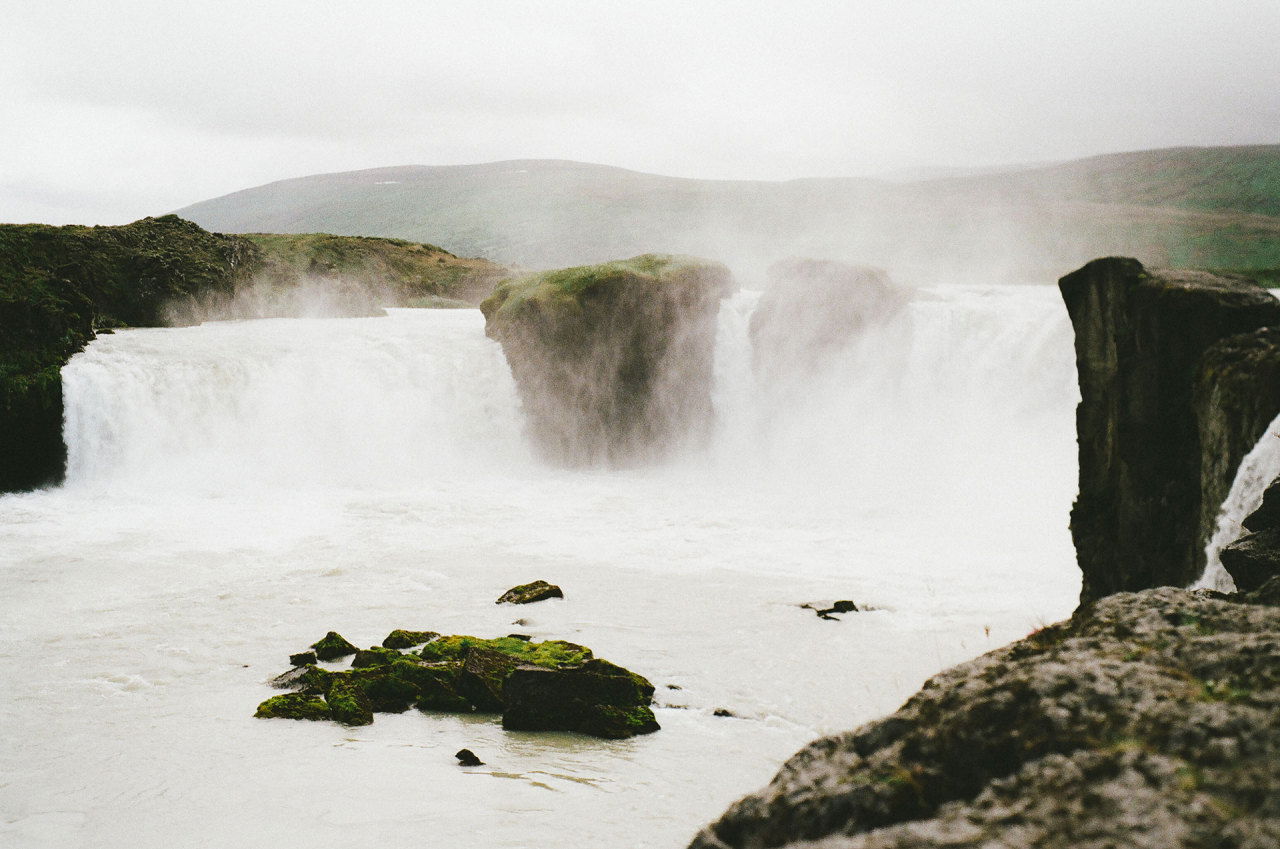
[[529, 593], [333, 646], [402, 639], [596, 697], [613, 362]]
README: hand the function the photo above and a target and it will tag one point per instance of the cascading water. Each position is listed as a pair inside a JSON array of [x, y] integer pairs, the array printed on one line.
[[237, 489], [1258, 470]]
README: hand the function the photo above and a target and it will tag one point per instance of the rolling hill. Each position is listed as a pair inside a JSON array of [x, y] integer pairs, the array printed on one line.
[[1184, 207]]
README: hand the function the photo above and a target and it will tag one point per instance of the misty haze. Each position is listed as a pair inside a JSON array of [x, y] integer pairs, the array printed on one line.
[[501, 426]]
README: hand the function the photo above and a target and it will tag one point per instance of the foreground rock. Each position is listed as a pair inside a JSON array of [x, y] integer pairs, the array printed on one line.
[[613, 362], [1149, 719], [1157, 453], [814, 307], [546, 686], [529, 593]]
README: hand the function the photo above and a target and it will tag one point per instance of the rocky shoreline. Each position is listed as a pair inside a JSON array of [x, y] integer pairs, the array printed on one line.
[[1151, 718]]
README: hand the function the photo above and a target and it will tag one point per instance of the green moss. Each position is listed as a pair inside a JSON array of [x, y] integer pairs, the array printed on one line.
[[374, 657], [293, 706], [564, 287], [348, 702], [551, 653], [333, 646], [402, 639], [616, 723]]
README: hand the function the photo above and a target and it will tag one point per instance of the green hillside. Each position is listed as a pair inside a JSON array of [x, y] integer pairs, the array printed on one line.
[[1186, 207]]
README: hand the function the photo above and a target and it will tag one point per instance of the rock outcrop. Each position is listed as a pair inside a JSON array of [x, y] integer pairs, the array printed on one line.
[[813, 307], [1147, 491], [613, 362], [1254, 558], [536, 686], [60, 284], [1149, 719]]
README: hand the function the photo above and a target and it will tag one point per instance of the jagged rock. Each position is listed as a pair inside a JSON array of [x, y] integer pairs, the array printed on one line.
[[466, 757], [293, 706], [1253, 559], [333, 646], [597, 698], [401, 639], [613, 362], [295, 677], [305, 658], [529, 593], [1149, 719], [1141, 339], [813, 307], [1268, 513]]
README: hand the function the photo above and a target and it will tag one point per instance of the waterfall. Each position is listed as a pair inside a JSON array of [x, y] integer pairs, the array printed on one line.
[[1259, 468]]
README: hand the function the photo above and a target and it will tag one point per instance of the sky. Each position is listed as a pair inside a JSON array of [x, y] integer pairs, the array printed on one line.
[[113, 111]]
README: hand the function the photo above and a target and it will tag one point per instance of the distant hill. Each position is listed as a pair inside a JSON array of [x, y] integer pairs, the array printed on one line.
[[1184, 207]]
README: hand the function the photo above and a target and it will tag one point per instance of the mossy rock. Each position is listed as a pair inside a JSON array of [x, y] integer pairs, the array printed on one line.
[[549, 653], [333, 646], [375, 656], [613, 362], [293, 706], [529, 593], [597, 698], [402, 639], [348, 702]]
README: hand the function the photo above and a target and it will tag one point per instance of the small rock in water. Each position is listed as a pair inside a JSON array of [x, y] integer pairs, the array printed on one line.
[[402, 639], [723, 712], [529, 593], [674, 687], [824, 612], [333, 646], [466, 757], [524, 637], [302, 658]]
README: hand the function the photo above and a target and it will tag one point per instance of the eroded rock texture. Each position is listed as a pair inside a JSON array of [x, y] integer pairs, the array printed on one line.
[[1147, 494], [1149, 719]]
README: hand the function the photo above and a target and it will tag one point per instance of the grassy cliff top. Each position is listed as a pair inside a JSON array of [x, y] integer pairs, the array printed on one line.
[[566, 286]]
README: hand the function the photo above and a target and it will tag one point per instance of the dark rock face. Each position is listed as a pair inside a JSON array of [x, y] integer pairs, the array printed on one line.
[[1141, 339], [1149, 719], [59, 284], [597, 698], [1237, 395], [812, 307], [613, 362], [529, 593], [1254, 559]]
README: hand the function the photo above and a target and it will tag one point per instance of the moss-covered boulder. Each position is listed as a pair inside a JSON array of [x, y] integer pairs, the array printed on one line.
[[293, 706], [333, 646], [613, 362], [597, 698], [464, 674], [402, 639], [529, 593]]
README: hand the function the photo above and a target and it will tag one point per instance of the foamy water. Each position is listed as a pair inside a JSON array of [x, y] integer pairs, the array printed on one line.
[[237, 489]]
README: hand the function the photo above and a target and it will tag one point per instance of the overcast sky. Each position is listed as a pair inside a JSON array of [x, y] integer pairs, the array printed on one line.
[[112, 111]]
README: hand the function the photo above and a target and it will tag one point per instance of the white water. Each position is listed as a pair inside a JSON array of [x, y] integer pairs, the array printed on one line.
[[237, 489], [1258, 470]]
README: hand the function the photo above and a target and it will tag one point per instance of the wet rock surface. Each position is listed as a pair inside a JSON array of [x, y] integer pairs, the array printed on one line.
[[613, 362], [1157, 445], [537, 686], [1149, 719], [1254, 558], [529, 593]]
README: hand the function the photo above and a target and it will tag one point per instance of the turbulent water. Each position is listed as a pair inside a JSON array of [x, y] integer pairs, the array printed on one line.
[[237, 489]]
